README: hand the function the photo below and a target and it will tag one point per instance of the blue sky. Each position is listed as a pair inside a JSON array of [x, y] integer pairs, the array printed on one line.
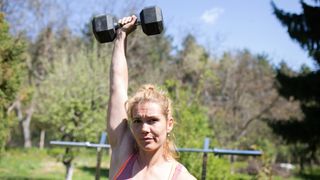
[[233, 24], [218, 25]]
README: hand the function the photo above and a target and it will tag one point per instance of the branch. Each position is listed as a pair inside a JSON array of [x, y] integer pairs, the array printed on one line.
[[16, 106], [246, 125]]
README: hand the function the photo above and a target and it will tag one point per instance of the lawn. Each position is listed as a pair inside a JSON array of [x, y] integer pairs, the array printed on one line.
[[21, 164], [35, 164]]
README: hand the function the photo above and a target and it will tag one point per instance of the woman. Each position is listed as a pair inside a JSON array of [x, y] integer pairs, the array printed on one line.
[[138, 128]]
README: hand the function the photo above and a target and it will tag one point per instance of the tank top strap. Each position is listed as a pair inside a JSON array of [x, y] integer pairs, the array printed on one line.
[[177, 170], [125, 170]]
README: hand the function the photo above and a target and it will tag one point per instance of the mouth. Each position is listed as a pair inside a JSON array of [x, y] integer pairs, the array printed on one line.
[[147, 139]]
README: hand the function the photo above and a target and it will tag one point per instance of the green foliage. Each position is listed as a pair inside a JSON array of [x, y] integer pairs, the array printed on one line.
[[190, 131], [149, 59], [303, 86], [11, 71], [72, 99], [303, 28], [218, 168]]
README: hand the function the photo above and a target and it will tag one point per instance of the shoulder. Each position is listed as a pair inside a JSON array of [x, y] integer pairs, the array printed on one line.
[[185, 174]]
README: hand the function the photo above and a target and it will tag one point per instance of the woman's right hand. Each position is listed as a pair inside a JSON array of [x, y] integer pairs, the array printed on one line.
[[127, 24]]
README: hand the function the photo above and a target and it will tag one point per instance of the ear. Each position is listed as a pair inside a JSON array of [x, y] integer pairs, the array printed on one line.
[[169, 124]]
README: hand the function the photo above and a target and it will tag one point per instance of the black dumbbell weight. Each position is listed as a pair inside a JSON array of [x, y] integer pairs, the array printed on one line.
[[105, 26]]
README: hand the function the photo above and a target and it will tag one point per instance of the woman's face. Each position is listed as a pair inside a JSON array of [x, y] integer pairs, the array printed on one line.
[[150, 126]]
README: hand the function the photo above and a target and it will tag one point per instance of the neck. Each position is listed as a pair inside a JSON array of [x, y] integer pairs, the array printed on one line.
[[151, 158]]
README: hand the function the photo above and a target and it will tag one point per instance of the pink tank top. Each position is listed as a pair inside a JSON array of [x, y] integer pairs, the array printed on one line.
[[125, 172]]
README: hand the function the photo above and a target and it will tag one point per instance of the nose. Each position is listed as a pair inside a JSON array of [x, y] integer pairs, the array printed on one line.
[[145, 128]]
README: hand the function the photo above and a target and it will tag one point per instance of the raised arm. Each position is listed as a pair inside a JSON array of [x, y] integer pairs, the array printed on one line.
[[116, 115]]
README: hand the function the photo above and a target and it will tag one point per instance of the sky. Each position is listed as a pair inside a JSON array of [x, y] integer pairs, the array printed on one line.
[[234, 25], [221, 25]]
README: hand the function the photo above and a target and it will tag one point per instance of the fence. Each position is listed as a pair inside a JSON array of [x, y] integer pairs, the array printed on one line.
[[205, 151]]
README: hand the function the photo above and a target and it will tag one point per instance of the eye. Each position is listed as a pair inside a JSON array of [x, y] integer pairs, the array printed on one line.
[[136, 120], [153, 120]]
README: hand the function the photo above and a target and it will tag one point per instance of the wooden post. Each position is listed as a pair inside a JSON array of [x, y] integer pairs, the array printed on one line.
[[205, 158], [42, 138], [99, 155]]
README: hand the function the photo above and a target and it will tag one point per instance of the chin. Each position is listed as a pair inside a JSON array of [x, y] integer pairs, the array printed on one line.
[[149, 148]]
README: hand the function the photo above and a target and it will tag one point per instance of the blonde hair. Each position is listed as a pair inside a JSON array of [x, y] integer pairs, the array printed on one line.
[[152, 93]]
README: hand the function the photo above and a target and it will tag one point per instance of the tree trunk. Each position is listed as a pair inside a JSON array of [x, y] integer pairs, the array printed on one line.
[[98, 164], [42, 138], [69, 171], [24, 121], [26, 126], [301, 165], [26, 132], [232, 160], [67, 161]]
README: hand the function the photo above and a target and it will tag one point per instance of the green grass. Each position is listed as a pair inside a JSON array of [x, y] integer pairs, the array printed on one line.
[[21, 164], [35, 164], [313, 173]]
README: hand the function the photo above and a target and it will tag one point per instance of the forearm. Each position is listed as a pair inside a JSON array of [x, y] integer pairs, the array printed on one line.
[[119, 69]]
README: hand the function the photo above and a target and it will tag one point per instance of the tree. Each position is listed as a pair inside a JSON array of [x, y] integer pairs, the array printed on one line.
[[41, 52], [72, 100], [11, 72], [303, 86], [189, 78], [243, 96], [191, 128]]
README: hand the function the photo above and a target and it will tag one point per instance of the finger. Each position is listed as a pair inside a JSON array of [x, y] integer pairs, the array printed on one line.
[[132, 19], [122, 20], [128, 19]]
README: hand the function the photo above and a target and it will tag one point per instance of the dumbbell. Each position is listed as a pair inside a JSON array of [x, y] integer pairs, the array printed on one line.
[[105, 26]]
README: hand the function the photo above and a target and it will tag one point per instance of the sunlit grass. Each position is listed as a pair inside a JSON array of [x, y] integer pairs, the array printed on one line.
[[22, 164], [43, 164]]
